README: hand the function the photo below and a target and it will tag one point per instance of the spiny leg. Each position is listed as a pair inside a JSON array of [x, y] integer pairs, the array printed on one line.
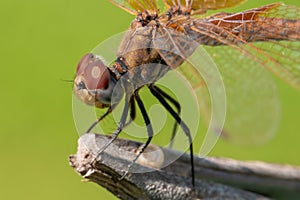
[[115, 134], [109, 110], [132, 114], [149, 129], [184, 127], [178, 107]]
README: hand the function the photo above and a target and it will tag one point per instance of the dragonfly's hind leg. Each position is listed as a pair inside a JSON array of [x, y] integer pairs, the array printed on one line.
[[177, 106], [184, 127]]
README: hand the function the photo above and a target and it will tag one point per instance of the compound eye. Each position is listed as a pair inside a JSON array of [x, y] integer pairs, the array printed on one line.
[[95, 74], [84, 61]]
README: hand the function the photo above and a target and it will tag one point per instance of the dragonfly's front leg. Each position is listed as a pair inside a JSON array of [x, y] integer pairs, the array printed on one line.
[[121, 125], [109, 110]]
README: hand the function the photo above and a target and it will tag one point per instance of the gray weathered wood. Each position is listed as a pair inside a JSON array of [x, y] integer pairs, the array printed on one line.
[[173, 181]]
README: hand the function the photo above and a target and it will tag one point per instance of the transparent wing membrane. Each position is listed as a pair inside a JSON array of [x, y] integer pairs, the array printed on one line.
[[252, 103], [243, 48], [200, 6], [204, 4], [252, 106], [272, 39], [134, 6]]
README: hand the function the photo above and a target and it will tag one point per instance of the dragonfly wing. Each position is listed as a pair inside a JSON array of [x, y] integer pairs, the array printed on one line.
[[123, 4], [251, 97], [227, 84], [134, 6], [174, 47], [204, 4], [283, 56], [252, 104], [274, 31]]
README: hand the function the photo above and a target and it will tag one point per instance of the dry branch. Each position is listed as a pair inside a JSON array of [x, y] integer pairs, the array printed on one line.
[[216, 178]]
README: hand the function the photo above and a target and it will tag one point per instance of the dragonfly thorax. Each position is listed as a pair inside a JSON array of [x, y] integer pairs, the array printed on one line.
[[145, 19]]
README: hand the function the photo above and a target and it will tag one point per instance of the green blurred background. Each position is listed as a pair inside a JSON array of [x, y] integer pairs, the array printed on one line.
[[41, 43]]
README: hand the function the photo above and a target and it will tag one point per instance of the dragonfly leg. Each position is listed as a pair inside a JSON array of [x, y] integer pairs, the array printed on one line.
[[115, 134], [132, 111], [184, 127], [178, 107], [112, 107], [149, 130], [109, 110]]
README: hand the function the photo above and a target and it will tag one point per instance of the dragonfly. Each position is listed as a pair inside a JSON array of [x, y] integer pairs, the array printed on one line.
[[244, 46]]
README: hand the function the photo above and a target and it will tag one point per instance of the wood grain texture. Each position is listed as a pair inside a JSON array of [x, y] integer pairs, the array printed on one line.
[[216, 178]]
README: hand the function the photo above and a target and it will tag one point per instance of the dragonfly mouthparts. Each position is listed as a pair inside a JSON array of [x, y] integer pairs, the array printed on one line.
[[81, 86]]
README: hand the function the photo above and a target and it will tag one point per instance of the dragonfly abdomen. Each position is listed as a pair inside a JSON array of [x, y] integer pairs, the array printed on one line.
[[266, 29], [232, 33]]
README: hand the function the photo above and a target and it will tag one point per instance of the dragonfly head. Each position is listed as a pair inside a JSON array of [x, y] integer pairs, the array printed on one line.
[[93, 83]]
